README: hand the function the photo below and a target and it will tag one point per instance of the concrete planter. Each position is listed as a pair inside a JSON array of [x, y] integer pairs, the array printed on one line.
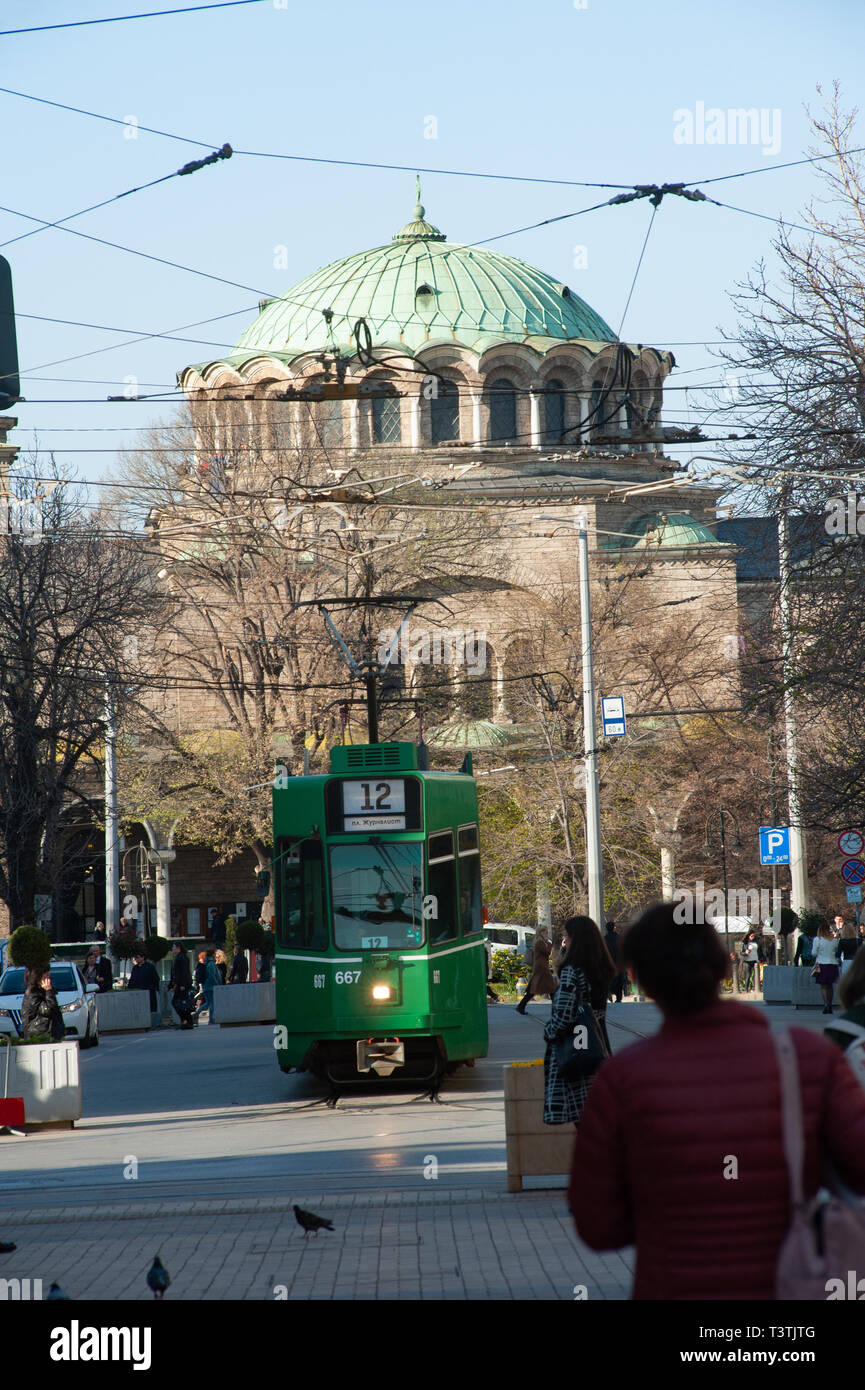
[[245, 1003], [48, 1076], [123, 1011], [533, 1148], [806, 991], [778, 983]]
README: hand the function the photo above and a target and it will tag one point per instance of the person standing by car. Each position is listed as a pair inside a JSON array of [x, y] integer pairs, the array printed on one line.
[[143, 976], [543, 981], [98, 970], [211, 981], [40, 1012], [239, 968], [586, 973], [180, 984]]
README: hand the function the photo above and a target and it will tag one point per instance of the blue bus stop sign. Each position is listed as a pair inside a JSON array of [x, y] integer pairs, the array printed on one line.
[[774, 844]]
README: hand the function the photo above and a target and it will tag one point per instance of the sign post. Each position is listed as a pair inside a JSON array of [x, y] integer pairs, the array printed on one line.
[[774, 844]]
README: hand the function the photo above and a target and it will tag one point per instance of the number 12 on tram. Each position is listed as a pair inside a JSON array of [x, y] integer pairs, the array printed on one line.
[[380, 963]]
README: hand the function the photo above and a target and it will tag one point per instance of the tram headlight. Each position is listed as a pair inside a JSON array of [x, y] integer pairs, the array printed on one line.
[[381, 992]]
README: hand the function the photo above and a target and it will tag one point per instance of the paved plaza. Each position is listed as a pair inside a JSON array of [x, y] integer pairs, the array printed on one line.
[[216, 1181]]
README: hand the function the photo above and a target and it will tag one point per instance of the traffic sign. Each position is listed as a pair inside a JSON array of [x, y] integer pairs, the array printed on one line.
[[854, 895], [853, 871], [852, 842], [774, 844], [613, 716]]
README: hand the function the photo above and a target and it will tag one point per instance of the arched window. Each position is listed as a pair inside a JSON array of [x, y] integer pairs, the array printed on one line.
[[386, 419], [444, 412], [554, 412], [604, 410], [503, 411]]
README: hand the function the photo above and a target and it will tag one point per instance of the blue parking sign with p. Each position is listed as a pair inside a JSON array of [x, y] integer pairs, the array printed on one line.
[[774, 844]]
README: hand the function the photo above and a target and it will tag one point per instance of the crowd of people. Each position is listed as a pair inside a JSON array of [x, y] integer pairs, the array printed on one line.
[[673, 1154]]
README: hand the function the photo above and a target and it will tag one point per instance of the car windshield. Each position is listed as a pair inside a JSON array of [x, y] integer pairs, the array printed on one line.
[[376, 893], [62, 978]]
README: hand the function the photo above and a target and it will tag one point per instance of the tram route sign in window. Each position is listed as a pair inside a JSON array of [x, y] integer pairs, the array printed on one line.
[[375, 803]]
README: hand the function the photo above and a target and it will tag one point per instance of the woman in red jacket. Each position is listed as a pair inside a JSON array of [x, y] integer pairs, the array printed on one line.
[[680, 1151]]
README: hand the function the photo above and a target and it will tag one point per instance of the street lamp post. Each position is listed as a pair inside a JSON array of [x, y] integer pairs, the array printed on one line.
[[594, 861]]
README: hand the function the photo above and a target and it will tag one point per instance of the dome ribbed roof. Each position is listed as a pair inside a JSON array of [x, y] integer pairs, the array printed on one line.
[[417, 289]]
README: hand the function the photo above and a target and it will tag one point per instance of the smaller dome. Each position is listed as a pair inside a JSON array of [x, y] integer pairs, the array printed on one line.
[[670, 531]]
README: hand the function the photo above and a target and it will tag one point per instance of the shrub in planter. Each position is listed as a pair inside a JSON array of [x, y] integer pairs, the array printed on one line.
[[268, 944], [789, 921], [122, 943], [155, 948], [30, 947], [249, 935], [230, 936], [810, 922]]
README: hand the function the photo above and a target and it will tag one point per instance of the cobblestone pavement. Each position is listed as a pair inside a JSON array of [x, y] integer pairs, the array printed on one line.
[[432, 1240], [408, 1246]]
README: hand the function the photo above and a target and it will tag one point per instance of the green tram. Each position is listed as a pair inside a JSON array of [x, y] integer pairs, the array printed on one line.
[[380, 963]]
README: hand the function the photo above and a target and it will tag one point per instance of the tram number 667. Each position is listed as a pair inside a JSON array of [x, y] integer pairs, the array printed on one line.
[[346, 977]]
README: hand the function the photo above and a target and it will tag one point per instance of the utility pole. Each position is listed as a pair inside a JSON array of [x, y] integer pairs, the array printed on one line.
[[594, 861], [112, 864], [798, 865]]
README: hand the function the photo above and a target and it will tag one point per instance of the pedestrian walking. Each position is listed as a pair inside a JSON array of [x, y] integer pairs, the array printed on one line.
[[265, 968], [143, 975], [586, 973], [848, 945], [826, 968], [611, 941], [751, 953], [99, 932], [668, 1126], [221, 965], [180, 984], [542, 981], [40, 1012], [212, 980], [804, 950], [239, 967]]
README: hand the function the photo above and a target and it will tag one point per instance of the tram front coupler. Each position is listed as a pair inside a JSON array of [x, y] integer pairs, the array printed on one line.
[[382, 1056]]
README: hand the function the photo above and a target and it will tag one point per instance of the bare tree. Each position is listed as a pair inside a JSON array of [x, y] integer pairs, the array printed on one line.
[[69, 593]]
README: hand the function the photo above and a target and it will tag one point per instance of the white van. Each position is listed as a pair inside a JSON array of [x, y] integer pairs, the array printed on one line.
[[509, 934]]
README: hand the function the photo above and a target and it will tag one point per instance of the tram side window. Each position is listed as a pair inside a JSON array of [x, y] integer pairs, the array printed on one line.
[[301, 924], [441, 887], [470, 880]]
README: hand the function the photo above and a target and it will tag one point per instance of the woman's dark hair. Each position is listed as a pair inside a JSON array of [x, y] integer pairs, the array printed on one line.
[[825, 931], [587, 951], [35, 974], [851, 990], [679, 965]]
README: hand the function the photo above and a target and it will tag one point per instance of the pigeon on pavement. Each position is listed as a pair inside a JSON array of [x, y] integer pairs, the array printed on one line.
[[56, 1294], [310, 1222], [158, 1278]]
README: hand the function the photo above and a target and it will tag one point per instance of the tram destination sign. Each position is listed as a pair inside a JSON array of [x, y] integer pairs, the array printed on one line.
[[374, 804]]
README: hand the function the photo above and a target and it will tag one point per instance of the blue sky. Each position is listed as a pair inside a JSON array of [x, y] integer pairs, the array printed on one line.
[[549, 90]]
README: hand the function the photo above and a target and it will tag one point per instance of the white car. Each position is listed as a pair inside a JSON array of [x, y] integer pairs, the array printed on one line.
[[76, 1000]]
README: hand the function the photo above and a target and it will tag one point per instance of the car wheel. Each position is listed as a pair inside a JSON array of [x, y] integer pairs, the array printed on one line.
[[86, 1041]]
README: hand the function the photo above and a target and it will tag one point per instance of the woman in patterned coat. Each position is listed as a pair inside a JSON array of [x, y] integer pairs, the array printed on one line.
[[585, 975]]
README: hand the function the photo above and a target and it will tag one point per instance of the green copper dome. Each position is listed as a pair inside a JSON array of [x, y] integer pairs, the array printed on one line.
[[670, 531], [419, 289]]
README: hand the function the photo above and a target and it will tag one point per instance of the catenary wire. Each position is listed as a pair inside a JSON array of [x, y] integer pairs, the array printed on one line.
[[122, 18]]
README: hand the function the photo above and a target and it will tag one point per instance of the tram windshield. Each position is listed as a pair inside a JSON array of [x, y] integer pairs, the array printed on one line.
[[376, 890]]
